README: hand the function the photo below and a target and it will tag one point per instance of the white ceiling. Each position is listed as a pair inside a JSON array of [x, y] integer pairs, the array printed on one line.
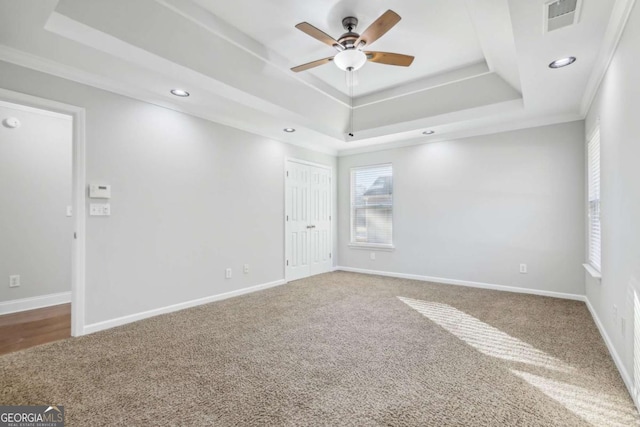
[[481, 65]]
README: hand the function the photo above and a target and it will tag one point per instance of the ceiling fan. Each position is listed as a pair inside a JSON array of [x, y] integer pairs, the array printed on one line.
[[350, 55]]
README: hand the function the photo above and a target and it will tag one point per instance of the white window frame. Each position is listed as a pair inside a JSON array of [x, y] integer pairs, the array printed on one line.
[[364, 245], [594, 197]]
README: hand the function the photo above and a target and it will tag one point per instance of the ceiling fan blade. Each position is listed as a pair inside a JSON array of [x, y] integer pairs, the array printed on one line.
[[317, 34], [380, 26], [312, 64], [390, 58]]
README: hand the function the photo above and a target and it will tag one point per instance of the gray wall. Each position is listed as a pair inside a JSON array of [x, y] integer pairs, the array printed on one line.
[[190, 198], [35, 190], [474, 209], [616, 106]]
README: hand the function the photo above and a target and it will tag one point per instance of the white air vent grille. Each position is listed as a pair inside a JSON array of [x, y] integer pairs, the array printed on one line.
[[561, 13], [562, 7]]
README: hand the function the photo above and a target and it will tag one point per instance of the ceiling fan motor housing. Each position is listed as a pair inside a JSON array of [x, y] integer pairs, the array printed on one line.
[[348, 39], [350, 23]]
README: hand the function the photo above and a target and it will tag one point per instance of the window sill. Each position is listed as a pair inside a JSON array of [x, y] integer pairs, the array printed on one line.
[[593, 272], [370, 246]]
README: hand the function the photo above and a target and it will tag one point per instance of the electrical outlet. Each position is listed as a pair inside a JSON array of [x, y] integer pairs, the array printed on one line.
[[523, 268], [623, 325], [245, 269], [372, 255], [614, 313], [228, 273], [14, 281]]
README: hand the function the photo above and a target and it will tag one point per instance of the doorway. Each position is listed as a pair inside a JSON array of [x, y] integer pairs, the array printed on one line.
[[308, 228], [36, 225], [71, 233]]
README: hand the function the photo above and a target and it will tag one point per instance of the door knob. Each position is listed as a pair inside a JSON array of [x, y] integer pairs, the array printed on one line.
[[311, 226]]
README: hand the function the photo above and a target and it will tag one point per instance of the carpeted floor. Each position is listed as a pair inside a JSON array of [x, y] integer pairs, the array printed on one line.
[[336, 349]]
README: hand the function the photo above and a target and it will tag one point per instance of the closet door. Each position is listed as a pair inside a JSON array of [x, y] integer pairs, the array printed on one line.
[[320, 220], [297, 221], [307, 220]]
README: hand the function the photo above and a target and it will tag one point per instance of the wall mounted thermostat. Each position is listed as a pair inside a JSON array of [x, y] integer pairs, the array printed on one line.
[[99, 191]]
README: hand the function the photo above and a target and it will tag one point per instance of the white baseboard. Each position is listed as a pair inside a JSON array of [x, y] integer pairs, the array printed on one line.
[[107, 324], [33, 303], [628, 381], [457, 282]]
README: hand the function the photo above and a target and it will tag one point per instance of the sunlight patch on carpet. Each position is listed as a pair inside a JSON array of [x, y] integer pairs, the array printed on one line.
[[592, 406], [596, 408], [484, 338]]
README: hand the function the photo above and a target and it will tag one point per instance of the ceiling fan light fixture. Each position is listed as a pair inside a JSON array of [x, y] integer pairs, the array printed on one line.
[[350, 59], [351, 77]]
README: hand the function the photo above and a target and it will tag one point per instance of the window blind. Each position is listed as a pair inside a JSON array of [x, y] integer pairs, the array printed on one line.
[[593, 149], [372, 205]]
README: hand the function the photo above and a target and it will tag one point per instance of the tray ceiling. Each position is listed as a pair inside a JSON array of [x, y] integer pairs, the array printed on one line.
[[481, 65]]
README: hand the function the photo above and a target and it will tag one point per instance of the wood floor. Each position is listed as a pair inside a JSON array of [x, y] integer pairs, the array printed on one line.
[[34, 327]]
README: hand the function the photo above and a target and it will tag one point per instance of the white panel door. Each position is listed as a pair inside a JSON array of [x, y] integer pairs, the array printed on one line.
[[320, 220], [297, 221], [307, 220]]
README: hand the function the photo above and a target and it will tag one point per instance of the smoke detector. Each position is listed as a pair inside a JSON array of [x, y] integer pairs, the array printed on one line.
[[561, 13], [11, 123]]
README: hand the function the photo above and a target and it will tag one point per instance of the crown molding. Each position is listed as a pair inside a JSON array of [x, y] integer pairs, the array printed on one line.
[[210, 22], [619, 17], [47, 66], [426, 83], [468, 133]]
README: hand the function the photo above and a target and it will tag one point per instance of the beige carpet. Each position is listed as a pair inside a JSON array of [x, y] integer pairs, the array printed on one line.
[[336, 349]]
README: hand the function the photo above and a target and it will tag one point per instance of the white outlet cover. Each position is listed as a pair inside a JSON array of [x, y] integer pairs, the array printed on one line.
[[373, 255], [14, 281]]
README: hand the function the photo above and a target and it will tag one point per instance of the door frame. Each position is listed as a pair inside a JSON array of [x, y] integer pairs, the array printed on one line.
[[78, 251], [286, 196]]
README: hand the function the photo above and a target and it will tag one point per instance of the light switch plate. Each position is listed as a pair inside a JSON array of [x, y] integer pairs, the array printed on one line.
[[99, 209]]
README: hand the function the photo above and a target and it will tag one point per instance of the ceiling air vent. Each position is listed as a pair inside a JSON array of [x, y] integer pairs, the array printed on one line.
[[561, 13]]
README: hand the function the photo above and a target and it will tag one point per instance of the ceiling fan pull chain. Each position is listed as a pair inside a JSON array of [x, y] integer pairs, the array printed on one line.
[[350, 72]]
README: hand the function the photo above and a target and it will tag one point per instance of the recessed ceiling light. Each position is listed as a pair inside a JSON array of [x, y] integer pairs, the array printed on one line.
[[180, 92], [428, 132], [563, 62], [289, 130]]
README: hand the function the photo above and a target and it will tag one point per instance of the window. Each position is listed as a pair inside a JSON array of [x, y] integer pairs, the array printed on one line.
[[372, 206], [593, 149]]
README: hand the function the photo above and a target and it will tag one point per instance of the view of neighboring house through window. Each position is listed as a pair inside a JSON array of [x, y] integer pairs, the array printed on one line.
[[372, 205], [593, 148]]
